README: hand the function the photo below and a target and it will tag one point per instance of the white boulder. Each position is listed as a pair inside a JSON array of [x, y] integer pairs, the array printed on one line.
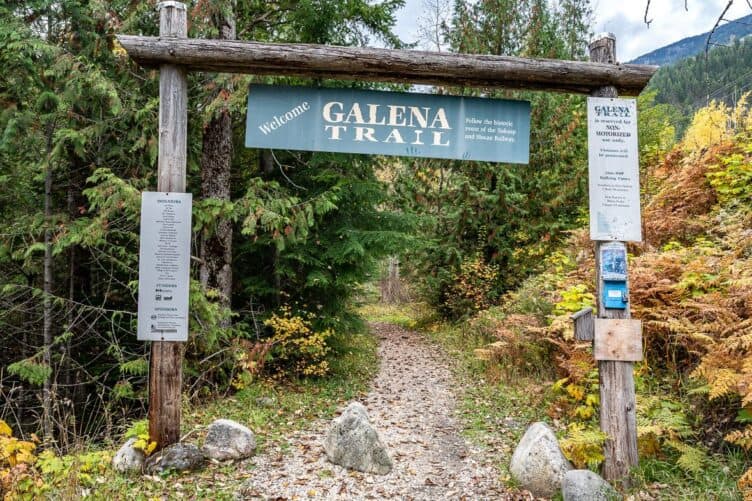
[[127, 458], [353, 443], [538, 463], [227, 439], [584, 485]]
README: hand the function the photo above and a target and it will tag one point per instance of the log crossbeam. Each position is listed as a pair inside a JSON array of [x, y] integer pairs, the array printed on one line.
[[386, 65]]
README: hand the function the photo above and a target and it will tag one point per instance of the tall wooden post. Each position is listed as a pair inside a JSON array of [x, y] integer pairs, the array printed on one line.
[[617, 389], [166, 364]]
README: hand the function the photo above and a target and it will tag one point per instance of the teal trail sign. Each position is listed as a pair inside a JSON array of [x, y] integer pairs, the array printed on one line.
[[388, 123]]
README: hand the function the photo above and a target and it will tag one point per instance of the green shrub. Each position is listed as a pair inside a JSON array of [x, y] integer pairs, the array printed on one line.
[[296, 347], [472, 288]]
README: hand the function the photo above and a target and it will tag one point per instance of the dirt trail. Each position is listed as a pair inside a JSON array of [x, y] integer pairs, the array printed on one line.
[[411, 405]]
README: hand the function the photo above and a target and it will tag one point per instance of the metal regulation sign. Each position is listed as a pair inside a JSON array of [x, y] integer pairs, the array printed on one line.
[[614, 174], [164, 266], [388, 123]]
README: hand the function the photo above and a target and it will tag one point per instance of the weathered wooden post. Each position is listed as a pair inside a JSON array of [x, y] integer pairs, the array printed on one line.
[[617, 389], [166, 364]]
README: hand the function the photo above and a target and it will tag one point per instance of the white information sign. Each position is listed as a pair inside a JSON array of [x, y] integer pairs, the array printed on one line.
[[164, 266], [614, 173]]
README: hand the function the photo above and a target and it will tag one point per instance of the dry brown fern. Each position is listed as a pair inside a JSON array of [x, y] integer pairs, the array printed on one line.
[[684, 199], [745, 485]]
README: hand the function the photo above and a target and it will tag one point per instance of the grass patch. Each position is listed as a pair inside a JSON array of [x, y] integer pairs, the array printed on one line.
[[405, 315], [495, 416], [664, 480]]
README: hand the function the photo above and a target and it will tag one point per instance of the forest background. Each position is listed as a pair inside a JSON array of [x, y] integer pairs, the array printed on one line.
[[284, 241]]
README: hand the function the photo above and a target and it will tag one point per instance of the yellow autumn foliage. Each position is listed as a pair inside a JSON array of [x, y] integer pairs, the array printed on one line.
[[583, 446], [472, 286], [296, 346], [25, 475], [709, 127], [16, 458], [12, 450], [742, 438], [716, 123]]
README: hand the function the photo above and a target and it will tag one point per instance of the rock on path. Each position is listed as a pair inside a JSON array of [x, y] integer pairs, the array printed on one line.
[[411, 406]]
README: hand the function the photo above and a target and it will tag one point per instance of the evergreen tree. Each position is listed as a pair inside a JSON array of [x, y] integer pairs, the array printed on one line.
[[508, 216], [79, 131], [723, 75]]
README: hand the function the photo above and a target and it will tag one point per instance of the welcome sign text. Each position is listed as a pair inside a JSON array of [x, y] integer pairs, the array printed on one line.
[[388, 123]]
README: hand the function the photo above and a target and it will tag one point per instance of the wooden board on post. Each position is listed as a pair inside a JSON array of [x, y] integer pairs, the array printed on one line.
[[618, 339], [617, 389], [166, 362]]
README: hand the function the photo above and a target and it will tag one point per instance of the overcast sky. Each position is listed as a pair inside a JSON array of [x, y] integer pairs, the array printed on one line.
[[624, 18]]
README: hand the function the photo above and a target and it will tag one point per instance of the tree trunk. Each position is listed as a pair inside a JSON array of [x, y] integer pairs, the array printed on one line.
[[47, 301], [391, 285], [216, 248], [69, 394]]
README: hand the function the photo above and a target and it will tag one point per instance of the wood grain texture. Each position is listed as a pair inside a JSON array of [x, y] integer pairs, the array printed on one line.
[[618, 400], [616, 379], [173, 128], [583, 324], [165, 385], [618, 340], [618, 420], [386, 65], [166, 361]]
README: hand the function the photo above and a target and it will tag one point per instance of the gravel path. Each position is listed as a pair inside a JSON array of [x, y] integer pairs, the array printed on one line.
[[411, 406]]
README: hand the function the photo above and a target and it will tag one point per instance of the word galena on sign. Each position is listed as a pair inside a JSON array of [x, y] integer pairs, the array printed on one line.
[[388, 123], [613, 170]]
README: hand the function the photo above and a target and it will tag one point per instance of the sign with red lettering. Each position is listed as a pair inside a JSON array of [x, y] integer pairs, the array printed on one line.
[[614, 172]]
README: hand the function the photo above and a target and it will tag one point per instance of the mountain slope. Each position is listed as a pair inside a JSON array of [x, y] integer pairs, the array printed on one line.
[[724, 76], [692, 46]]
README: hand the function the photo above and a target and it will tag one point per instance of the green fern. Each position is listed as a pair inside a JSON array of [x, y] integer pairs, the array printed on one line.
[[136, 367], [663, 417], [31, 371], [691, 459], [662, 423], [584, 446]]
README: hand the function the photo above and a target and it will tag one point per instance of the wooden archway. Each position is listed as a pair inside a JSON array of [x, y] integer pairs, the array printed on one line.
[[175, 55]]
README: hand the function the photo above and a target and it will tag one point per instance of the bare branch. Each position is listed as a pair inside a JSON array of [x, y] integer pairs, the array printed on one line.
[[647, 8], [282, 171], [720, 18]]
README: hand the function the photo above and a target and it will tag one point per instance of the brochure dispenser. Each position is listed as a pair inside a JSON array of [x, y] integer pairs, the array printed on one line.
[[614, 275]]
